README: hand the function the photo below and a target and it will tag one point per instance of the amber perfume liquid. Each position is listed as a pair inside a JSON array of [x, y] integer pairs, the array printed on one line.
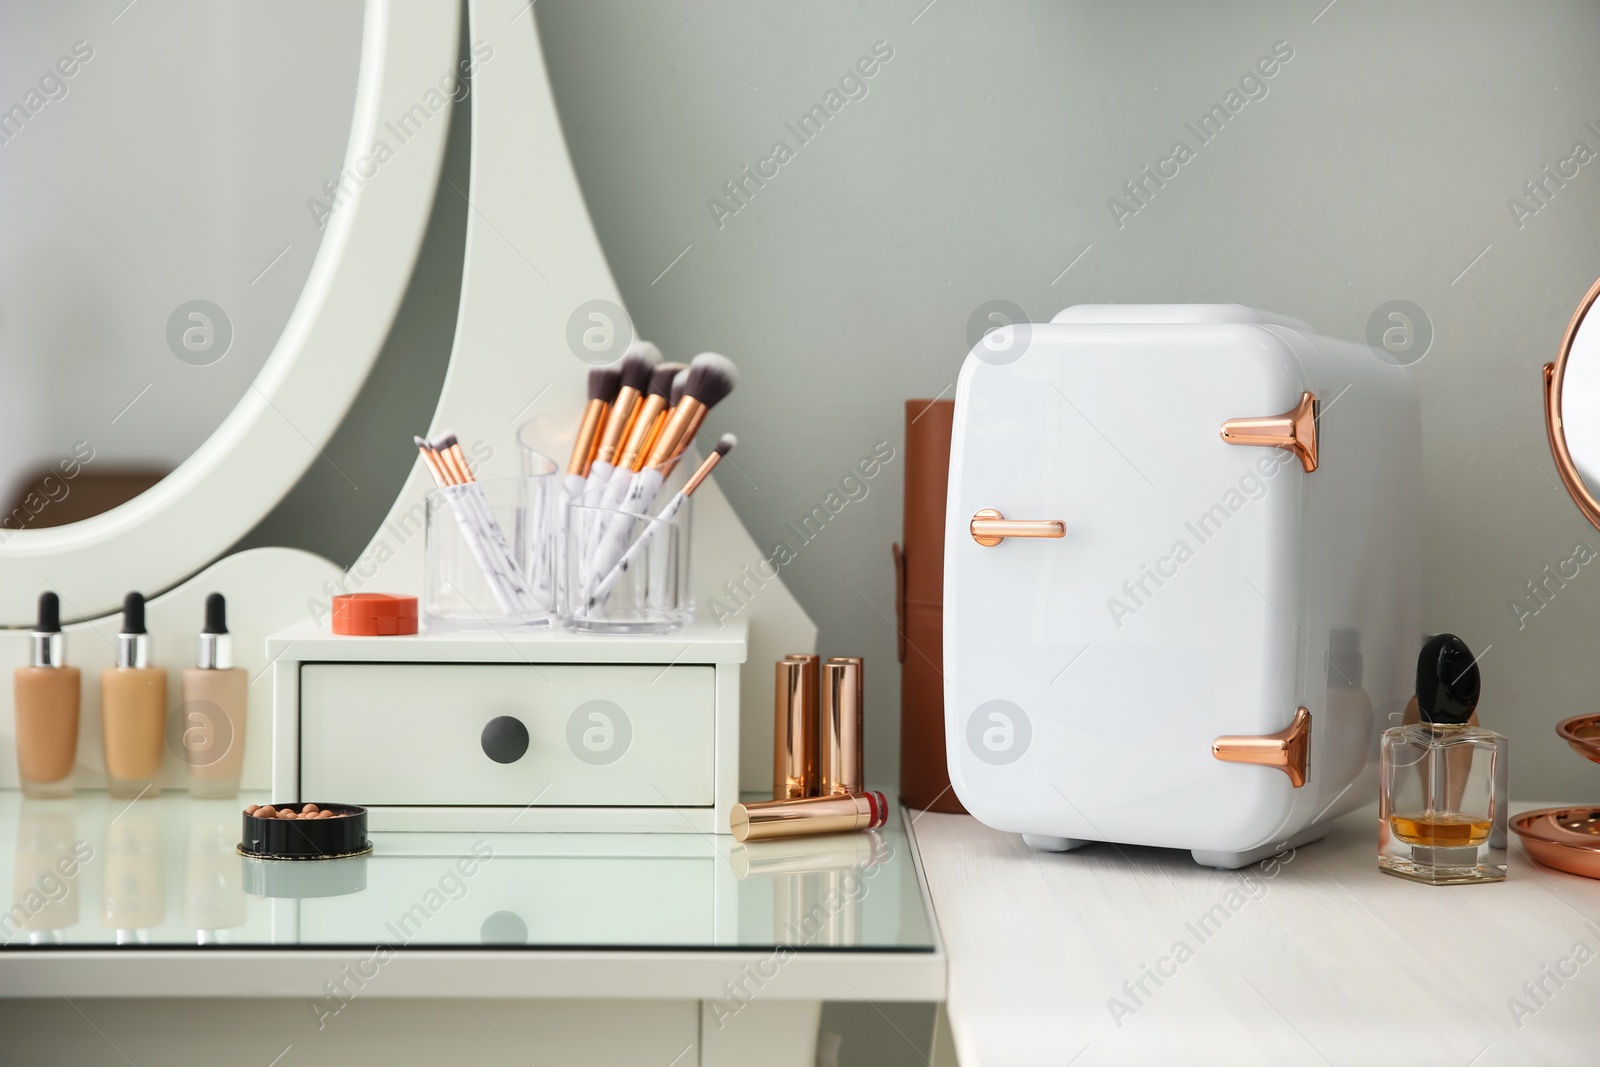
[[1442, 804], [1440, 831]]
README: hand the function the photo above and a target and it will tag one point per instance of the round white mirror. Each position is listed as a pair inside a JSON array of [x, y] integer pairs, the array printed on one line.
[[150, 265], [205, 249]]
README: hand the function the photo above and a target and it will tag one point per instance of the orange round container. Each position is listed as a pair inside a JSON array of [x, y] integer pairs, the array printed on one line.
[[374, 614]]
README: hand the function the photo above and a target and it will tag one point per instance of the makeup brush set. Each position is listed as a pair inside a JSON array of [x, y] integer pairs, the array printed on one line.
[[480, 530], [596, 543]]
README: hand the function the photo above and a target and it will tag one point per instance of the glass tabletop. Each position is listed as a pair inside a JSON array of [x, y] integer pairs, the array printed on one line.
[[163, 872]]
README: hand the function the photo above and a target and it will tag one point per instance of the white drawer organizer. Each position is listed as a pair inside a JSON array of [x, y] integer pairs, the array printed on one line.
[[589, 733]]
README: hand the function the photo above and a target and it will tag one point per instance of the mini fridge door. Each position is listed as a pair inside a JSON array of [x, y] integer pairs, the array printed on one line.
[[1088, 674]]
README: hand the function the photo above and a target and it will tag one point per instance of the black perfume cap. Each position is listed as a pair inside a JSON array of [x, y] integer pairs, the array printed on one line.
[[133, 613], [49, 621], [216, 614], [1448, 684]]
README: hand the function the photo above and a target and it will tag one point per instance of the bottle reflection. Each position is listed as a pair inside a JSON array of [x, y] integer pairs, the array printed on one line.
[[44, 900], [818, 884], [213, 884], [133, 887]]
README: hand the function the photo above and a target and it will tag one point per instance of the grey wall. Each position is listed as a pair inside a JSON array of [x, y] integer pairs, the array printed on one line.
[[1378, 166]]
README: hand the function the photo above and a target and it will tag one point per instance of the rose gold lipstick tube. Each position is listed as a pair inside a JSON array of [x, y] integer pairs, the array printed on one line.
[[794, 726], [813, 815], [842, 725]]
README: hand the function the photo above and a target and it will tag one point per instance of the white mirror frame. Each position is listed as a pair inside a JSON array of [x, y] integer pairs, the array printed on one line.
[[339, 324]]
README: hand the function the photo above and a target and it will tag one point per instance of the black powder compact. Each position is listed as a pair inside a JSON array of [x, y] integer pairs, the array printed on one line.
[[309, 836]]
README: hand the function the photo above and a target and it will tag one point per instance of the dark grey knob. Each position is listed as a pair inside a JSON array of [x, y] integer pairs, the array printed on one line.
[[504, 928], [505, 739]]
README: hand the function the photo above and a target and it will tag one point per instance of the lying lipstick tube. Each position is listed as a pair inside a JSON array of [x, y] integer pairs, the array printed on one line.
[[794, 726], [842, 766], [813, 815]]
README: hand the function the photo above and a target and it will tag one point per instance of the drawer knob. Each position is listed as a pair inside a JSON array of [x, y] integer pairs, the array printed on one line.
[[505, 739]]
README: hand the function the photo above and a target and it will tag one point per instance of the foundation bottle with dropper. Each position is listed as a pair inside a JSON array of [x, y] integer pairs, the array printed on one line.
[[46, 694], [215, 694], [133, 707]]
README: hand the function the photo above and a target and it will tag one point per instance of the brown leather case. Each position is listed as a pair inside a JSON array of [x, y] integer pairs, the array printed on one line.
[[919, 605]]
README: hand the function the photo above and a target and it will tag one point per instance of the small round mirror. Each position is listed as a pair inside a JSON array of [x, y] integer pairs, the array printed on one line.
[[1572, 408]]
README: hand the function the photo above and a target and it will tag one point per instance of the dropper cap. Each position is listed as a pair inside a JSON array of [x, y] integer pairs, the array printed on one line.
[[216, 646], [133, 643], [49, 644]]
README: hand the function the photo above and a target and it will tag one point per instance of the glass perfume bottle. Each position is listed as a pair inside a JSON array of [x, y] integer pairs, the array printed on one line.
[[1442, 787]]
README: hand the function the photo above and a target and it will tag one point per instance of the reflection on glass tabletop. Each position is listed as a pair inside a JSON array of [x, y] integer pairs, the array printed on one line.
[[163, 872]]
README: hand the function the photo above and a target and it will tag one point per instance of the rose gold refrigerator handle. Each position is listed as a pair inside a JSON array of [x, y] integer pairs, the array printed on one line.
[[989, 528], [1295, 431], [1288, 749]]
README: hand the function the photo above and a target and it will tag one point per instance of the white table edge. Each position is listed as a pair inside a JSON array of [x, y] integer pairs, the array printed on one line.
[[531, 974]]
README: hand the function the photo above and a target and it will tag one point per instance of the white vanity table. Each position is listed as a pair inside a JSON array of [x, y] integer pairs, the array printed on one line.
[[1316, 958], [595, 948]]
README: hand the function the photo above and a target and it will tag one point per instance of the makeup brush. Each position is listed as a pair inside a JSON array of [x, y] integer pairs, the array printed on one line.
[[674, 398], [448, 448], [482, 533], [444, 477], [646, 426], [431, 461], [635, 366], [724, 446], [711, 378], [604, 382], [635, 369]]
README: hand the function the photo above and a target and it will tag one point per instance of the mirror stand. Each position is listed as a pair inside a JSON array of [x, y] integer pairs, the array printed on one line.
[[1568, 838]]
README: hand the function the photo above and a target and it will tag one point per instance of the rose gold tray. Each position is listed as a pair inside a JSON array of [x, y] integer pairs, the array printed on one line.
[[1567, 839], [1582, 732]]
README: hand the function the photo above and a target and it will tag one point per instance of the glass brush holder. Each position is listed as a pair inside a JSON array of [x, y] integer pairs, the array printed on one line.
[[646, 591], [490, 553]]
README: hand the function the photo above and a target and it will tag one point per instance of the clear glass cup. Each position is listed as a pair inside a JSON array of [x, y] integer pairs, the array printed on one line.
[[490, 558], [537, 440], [646, 589]]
